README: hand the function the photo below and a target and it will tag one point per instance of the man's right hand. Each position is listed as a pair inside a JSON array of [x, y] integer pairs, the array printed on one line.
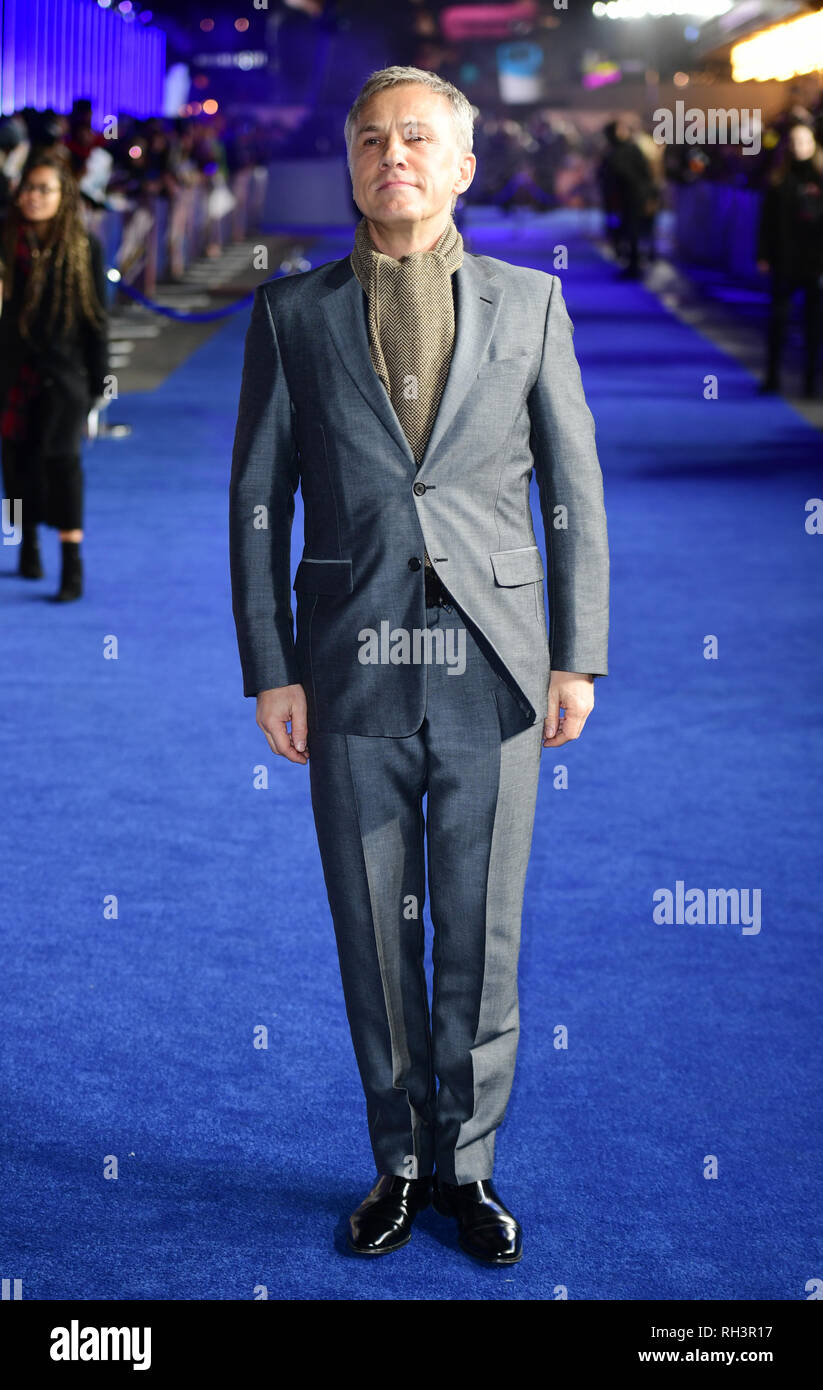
[[275, 708]]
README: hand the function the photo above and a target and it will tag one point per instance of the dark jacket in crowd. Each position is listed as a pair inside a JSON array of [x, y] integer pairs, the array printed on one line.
[[626, 180], [790, 234], [67, 371]]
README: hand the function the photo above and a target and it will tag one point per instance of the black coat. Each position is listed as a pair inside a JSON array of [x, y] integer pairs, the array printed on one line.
[[72, 365], [626, 181], [790, 235]]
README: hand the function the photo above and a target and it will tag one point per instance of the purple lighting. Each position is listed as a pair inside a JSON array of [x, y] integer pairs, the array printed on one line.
[[53, 51], [601, 79]]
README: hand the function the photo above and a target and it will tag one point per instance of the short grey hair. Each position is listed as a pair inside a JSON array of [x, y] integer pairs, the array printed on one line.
[[461, 108]]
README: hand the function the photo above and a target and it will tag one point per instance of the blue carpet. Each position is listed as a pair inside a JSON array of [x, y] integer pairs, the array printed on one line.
[[129, 757]]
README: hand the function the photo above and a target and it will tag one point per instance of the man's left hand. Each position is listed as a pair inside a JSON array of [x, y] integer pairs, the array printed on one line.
[[574, 693]]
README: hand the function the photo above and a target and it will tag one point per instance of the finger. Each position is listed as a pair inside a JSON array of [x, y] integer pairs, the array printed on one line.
[[299, 730], [569, 728], [556, 740], [573, 724], [552, 714], [280, 741]]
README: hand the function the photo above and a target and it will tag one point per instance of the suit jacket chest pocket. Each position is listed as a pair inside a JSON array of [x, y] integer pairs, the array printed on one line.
[[506, 368]]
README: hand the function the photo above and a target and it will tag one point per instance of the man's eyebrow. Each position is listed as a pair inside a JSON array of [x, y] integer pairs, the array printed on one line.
[[410, 121]]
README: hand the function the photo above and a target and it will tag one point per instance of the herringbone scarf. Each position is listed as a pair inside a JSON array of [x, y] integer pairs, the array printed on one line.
[[411, 325]]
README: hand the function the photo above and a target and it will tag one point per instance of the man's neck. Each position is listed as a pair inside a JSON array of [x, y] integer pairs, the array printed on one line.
[[406, 239]]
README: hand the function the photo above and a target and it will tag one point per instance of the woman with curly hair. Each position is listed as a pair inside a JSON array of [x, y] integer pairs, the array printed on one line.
[[53, 358]]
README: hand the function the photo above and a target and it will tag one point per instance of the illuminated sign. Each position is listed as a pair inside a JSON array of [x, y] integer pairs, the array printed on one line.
[[245, 59], [658, 9], [780, 53]]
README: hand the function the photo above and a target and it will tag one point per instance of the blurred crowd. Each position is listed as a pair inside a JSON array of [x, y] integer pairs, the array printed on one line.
[[542, 160], [135, 161], [557, 160], [155, 156], [728, 164]]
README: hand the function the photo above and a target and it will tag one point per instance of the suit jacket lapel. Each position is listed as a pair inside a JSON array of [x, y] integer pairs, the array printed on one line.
[[479, 295]]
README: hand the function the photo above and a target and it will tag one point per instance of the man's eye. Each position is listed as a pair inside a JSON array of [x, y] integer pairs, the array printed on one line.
[[369, 138]]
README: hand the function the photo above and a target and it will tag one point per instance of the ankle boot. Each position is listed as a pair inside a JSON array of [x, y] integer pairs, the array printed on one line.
[[71, 578], [29, 564]]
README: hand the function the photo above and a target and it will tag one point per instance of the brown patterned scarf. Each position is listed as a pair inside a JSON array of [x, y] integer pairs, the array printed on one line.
[[411, 325]]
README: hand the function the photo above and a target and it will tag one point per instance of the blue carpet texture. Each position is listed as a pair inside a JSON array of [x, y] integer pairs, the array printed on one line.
[[164, 913]]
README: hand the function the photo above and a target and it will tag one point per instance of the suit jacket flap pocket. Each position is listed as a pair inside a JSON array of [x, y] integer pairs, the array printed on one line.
[[521, 566], [323, 577]]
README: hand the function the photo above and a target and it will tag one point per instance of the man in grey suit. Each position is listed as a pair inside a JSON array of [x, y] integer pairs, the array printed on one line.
[[411, 389]]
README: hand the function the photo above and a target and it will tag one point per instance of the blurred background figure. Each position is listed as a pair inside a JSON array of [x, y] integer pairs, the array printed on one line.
[[185, 176], [13, 148], [629, 195], [53, 358], [790, 249], [81, 138]]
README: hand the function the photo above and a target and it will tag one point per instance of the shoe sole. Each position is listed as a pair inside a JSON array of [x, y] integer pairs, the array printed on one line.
[[488, 1259], [390, 1249]]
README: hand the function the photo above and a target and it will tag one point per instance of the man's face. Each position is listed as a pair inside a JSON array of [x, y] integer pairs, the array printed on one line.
[[405, 163]]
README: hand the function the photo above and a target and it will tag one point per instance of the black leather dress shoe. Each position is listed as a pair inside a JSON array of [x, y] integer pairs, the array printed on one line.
[[487, 1229], [383, 1221]]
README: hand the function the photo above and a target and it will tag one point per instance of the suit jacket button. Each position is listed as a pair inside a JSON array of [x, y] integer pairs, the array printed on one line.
[[414, 563], [419, 489]]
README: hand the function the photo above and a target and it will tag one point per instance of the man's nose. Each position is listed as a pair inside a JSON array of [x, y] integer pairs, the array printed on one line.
[[394, 149]]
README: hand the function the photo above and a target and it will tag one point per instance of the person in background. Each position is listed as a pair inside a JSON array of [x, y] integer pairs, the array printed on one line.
[[47, 130], [81, 137], [185, 176], [53, 359], [12, 140], [653, 153], [790, 247], [210, 153], [628, 193]]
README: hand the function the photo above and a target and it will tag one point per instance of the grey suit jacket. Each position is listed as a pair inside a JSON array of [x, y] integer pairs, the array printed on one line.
[[314, 412]]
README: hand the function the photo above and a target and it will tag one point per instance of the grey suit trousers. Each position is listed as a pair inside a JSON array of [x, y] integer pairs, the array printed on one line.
[[480, 788]]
